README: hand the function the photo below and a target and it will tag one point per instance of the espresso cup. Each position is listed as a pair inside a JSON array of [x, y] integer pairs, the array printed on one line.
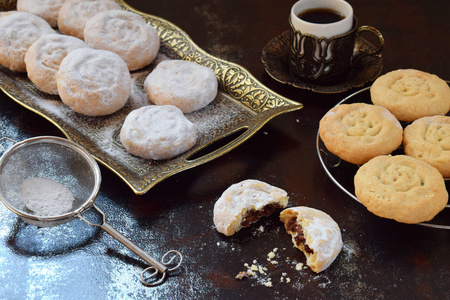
[[322, 40]]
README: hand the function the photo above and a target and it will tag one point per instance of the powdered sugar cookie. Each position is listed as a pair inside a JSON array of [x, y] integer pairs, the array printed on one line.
[[315, 233], [411, 94], [428, 139], [124, 33], [46, 197], [157, 132], [358, 132], [46, 9], [44, 56], [187, 85], [18, 30], [246, 202], [402, 188], [93, 82], [74, 14]]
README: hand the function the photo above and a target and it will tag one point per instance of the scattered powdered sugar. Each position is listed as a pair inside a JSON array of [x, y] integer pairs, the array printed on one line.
[[46, 197]]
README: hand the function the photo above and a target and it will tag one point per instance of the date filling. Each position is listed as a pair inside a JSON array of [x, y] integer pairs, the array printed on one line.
[[296, 231], [254, 215]]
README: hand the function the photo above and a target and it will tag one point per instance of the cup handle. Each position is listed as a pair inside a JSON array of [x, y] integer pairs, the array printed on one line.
[[371, 50]]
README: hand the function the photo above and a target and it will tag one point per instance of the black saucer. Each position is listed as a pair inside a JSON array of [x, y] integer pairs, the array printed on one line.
[[365, 68]]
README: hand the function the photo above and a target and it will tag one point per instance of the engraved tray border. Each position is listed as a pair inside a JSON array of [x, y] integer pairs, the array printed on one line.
[[237, 86]]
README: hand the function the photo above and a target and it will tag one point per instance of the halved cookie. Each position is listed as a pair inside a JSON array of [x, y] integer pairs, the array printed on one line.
[[246, 202], [315, 233]]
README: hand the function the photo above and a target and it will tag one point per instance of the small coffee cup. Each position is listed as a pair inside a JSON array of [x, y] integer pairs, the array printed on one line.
[[322, 40]]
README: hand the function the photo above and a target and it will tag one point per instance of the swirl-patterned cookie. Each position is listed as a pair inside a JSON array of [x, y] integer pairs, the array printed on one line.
[[18, 30], [428, 139], [157, 132], [411, 94], [44, 56], [124, 33], [315, 233], [358, 132], [46, 9], [246, 202], [402, 188], [184, 84], [93, 82], [74, 14]]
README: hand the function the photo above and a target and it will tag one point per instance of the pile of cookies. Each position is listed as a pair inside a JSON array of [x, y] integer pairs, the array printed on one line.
[[313, 231], [408, 188], [88, 64]]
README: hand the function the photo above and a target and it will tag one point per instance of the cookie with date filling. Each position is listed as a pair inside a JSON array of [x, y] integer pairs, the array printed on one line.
[[245, 203], [315, 233]]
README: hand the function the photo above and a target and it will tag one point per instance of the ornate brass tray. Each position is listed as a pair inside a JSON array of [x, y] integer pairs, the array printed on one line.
[[242, 107]]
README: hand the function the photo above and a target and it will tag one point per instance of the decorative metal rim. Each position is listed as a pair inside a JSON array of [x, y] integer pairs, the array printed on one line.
[[235, 82]]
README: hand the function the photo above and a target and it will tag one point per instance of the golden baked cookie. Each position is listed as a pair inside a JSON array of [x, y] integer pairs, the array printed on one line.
[[124, 33], [157, 132], [74, 14], [246, 202], [93, 82], [358, 132], [44, 56], [18, 30], [46, 9], [428, 139], [402, 188], [411, 94], [187, 85], [315, 233]]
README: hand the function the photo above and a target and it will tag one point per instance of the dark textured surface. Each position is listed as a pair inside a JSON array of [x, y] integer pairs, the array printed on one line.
[[380, 259]]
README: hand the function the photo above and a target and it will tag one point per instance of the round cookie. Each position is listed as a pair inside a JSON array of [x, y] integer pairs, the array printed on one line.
[[93, 82], [358, 132], [124, 33], [74, 14], [411, 94], [315, 233], [18, 30], [246, 202], [46, 9], [428, 139], [402, 188], [187, 85], [157, 132], [44, 56]]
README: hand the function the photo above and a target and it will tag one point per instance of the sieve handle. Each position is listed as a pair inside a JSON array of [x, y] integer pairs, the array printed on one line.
[[157, 269], [133, 247]]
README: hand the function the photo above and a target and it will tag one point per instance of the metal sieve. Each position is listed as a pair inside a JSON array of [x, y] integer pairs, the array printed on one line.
[[69, 164]]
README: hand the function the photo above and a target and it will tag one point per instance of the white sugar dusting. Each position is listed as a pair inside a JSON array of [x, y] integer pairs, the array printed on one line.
[[223, 114]]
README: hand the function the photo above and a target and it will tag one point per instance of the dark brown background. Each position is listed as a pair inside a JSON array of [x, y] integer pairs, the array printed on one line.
[[380, 259]]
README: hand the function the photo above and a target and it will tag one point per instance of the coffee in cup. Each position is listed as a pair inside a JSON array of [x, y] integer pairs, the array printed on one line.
[[322, 40]]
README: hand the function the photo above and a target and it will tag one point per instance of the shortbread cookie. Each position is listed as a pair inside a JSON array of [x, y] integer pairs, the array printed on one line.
[[246, 202], [157, 132], [411, 94], [358, 132], [46, 197], [93, 82], [44, 56], [402, 188], [315, 233], [73, 15], [18, 30], [46, 9], [124, 33], [428, 139], [187, 85]]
